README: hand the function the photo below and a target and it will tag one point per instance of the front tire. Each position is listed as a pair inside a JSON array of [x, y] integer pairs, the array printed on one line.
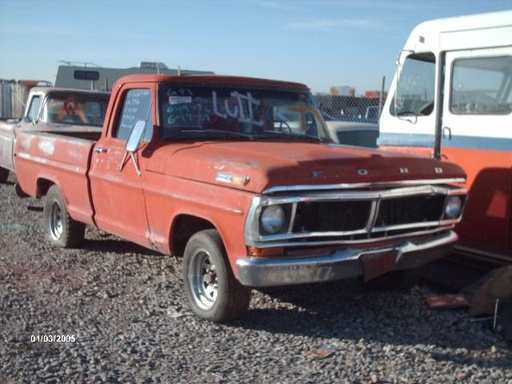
[[61, 230], [213, 292]]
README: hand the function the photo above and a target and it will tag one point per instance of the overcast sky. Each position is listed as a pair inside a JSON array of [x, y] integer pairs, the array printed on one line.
[[322, 43]]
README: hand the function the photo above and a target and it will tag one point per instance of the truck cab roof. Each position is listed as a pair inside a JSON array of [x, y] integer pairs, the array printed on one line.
[[211, 79]]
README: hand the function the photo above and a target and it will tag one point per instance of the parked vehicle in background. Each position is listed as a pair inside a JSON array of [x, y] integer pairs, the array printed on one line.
[[52, 109], [94, 77], [451, 98], [350, 120], [239, 176], [13, 97], [360, 132]]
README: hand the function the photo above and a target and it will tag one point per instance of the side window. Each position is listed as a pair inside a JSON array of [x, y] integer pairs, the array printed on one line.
[[481, 86], [415, 90], [34, 108], [136, 106]]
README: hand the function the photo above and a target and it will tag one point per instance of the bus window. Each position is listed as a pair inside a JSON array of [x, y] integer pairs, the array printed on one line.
[[481, 86]]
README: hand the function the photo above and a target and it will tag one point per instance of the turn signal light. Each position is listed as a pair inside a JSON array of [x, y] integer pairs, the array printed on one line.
[[265, 252]]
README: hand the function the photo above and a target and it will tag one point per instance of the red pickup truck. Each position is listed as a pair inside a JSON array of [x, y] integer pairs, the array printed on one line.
[[239, 177]]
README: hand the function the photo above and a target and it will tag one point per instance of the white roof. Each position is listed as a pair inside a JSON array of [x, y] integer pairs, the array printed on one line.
[[462, 32]]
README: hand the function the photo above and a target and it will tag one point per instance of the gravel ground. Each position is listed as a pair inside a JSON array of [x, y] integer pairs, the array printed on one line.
[[116, 313]]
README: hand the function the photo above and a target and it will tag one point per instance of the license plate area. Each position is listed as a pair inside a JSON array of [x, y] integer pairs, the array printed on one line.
[[379, 264]]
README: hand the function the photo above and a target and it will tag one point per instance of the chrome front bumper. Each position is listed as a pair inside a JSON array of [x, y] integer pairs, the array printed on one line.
[[342, 264]]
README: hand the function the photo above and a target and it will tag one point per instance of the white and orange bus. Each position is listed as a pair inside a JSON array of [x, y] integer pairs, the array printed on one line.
[[451, 98]]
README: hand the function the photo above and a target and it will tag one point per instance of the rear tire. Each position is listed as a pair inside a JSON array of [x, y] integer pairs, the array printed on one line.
[[213, 292], [4, 174], [61, 230]]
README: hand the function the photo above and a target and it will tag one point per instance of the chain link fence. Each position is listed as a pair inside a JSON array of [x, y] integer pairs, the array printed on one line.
[[350, 107]]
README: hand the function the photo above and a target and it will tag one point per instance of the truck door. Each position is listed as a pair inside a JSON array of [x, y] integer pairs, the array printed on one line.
[[477, 134], [116, 184]]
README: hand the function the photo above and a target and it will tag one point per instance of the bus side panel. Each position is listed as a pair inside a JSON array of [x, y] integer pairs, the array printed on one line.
[[487, 217]]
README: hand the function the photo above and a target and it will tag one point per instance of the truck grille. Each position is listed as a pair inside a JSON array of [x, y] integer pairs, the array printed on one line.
[[355, 216], [408, 210], [331, 216]]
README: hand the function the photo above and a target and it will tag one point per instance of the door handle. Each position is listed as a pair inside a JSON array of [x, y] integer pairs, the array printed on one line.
[[100, 150], [447, 133]]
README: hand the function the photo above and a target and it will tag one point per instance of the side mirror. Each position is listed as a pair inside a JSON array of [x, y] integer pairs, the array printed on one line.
[[133, 143], [135, 136]]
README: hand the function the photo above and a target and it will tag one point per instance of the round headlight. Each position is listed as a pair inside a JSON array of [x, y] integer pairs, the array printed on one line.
[[272, 219], [453, 207]]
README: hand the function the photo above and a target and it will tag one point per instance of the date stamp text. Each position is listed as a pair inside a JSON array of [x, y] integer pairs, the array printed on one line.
[[52, 338]]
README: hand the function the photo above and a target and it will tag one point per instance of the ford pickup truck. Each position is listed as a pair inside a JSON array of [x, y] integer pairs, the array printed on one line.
[[52, 108], [239, 176]]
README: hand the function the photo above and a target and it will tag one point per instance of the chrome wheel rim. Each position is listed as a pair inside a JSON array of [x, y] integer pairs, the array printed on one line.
[[55, 222], [202, 280]]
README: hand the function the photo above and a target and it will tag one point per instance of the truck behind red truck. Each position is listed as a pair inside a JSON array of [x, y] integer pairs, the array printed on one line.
[[239, 177], [47, 109]]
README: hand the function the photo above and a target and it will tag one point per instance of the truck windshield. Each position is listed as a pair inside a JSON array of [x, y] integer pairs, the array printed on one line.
[[188, 112]]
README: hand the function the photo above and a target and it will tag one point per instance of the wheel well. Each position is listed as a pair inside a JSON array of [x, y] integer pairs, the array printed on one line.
[[43, 185], [184, 227]]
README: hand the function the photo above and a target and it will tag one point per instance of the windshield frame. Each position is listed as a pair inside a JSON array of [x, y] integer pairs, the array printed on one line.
[[237, 112], [415, 86]]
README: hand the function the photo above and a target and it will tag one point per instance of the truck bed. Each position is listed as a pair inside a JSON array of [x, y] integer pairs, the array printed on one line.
[[62, 157]]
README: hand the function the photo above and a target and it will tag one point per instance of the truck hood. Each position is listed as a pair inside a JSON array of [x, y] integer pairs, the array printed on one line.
[[259, 166]]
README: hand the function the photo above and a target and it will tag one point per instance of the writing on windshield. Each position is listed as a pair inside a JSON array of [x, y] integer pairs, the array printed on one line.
[[244, 111]]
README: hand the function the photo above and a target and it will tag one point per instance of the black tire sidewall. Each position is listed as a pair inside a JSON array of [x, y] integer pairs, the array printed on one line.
[[72, 231], [231, 295]]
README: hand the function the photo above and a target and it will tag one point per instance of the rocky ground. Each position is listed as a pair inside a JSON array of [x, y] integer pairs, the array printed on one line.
[[116, 313]]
